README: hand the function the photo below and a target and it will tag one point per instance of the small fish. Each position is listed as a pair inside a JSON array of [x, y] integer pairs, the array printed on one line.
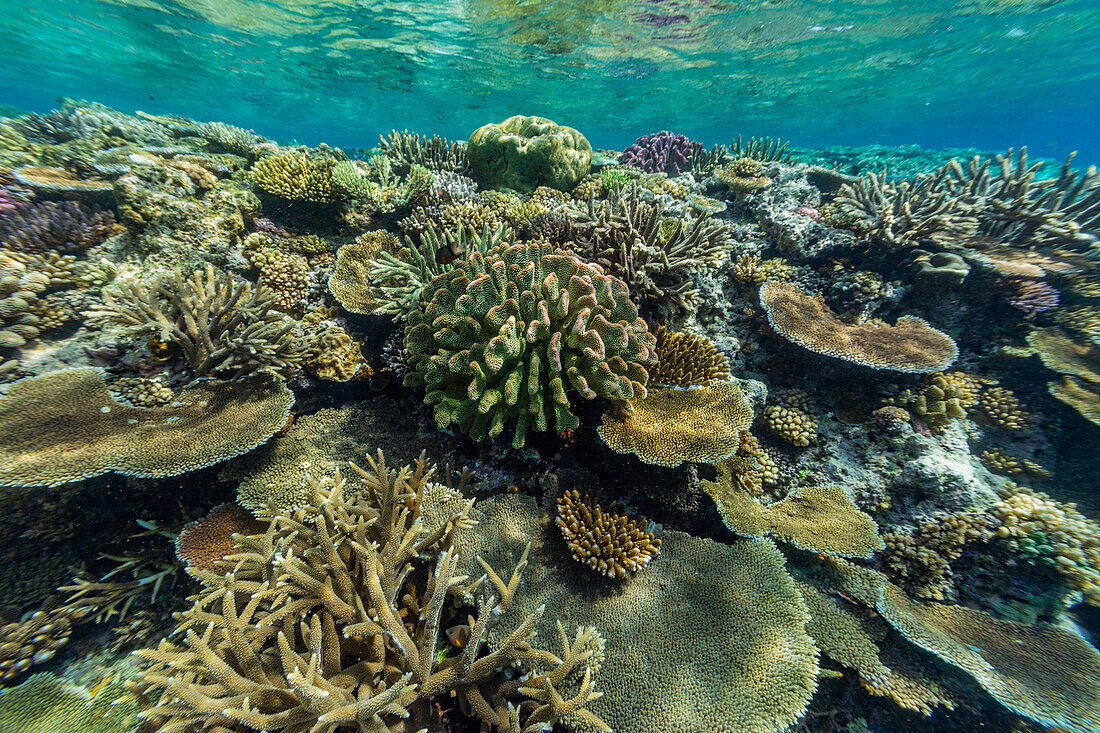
[[459, 636]]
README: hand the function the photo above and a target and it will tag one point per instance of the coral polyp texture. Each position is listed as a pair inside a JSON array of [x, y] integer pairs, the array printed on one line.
[[50, 226], [296, 175], [510, 333], [910, 345], [662, 152], [202, 543], [687, 359], [65, 425], [671, 426], [609, 543], [523, 153]]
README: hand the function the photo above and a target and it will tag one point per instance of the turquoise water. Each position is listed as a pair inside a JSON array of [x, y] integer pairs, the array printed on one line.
[[940, 73]]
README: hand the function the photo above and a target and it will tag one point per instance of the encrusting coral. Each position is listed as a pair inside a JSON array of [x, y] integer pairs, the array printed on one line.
[[687, 359], [911, 345], [507, 334], [219, 323], [333, 619], [65, 425], [671, 426], [609, 543]]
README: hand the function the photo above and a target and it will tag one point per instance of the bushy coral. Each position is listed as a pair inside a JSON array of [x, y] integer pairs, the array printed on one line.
[[406, 149], [1032, 296], [661, 152], [376, 184], [609, 543], [509, 332], [751, 270], [297, 175], [49, 226], [1000, 407], [920, 560], [793, 425], [687, 359]]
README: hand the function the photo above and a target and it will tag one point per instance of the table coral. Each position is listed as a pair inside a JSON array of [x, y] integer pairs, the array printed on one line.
[[1061, 354], [1077, 395], [523, 153], [507, 333], [64, 426], [609, 543], [911, 345], [671, 426]]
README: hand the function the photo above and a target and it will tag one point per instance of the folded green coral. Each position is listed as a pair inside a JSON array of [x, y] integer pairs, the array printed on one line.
[[507, 333]]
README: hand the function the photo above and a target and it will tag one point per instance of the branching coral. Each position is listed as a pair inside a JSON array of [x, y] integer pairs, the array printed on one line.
[[220, 324], [791, 424], [750, 269], [609, 543], [911, 345], [765, 149], [376, 183], [662, 152], [233, 139], [1000, 407], [332, 619], [687, 359], [507, 333], [34, 640], [947, 396], [406, 149], [49, 226], [671, 426], [921, 560], [297, 175], [64, 426]]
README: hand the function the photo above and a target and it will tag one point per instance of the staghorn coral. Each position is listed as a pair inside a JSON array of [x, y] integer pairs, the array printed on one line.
[[911, 345], [671, 426], [793, 425], [297, 175], [1001, 408], [765, 149], [523, 153], [920, 560], [406, 149], [687, 359], [44, 704], [64, 426], [506, 334], [662, 152], [375, 183], [229, 138], [729, 640], [1077, 395], [624, 235], [218, 323], [462, 216], [816, 518], [332, 619], [203, 542], [49, 226], [609, 543]]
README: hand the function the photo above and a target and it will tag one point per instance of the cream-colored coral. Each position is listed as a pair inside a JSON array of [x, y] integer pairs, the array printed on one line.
[[791, 424], [288, 275], [751, 270], [143, 391], [687, 359], [1000, 407], [609, 543], [921, 560], [998, 461]]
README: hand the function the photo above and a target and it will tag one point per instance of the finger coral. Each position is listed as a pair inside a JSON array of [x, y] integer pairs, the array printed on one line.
[[911, 345], [34, 640], [219, 323], [64, 426], [297, 175], [333, 618], [406, 149], [671, 426], [920, 560], [609, 543], [687, 359], [508, 333], [791, 424], [1000, 407]]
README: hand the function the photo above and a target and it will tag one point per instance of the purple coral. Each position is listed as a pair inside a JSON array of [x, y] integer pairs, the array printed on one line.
[[49, 226], [662, 152], [1032, 296], [8, 203]]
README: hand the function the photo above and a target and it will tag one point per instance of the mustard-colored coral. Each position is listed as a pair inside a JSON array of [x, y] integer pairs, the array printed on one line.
[[687, 359], [1000, 407], [671, 426], [791, 424], [143, 392], [1081, 398], [65, 425], [911, 345], [332, 354], [609, 543], [34, 640], [286, 274], [297, 175], [751, 270], [44, 704], [921, 560], [998, 461], [947, 396], [1061, 354]]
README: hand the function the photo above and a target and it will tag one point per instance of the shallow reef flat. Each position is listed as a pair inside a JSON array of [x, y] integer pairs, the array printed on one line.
[[513, 434]]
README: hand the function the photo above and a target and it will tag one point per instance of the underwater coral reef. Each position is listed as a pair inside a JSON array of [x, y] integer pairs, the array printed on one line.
[[513, 434]]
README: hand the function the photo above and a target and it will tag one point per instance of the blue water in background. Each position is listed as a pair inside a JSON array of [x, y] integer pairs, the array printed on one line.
[[939, 73]]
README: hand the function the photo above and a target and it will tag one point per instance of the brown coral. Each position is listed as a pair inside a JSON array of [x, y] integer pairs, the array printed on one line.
[[911, 345], [793, 425], [202, 543], [34, 640], [672, 426], [744, 176], [1000, 407], [1081, 398], [1061, 354], [921, 560], [64, 426], [297, 175], [609, 543], [687, 359], [751, 270]]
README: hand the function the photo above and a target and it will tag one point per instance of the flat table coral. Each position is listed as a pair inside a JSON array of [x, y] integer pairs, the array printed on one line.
[[671, 426], [65, 426], [911, 345]]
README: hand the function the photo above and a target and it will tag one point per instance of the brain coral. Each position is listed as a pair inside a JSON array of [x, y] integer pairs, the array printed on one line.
[[524, 153], [711, 637], [65, 425], [671, 426], [507, 333], [909, 346]]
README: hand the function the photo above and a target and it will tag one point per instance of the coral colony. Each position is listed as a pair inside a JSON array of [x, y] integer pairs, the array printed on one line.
[[512, 434]]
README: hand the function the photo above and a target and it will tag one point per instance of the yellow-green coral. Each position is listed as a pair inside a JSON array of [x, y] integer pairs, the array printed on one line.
[[297, 175], [523, 153], [687, 359], [609, 543], [791, 424], [43, 704]]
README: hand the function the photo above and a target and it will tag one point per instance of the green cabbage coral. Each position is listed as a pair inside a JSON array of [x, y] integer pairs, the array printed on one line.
[[506, 334]]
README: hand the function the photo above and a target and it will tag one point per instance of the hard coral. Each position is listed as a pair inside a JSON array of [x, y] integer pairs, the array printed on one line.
[[791, 424], [297, 175], [609, 543], [920, 560], [671, 426], [662, 152], [1000, 407], [687, 359], [49, 226], [64, 426], [1032, 296], [744, 176], [909, 346], [406, 149], [507, 333], [523, 153], [202, 543]]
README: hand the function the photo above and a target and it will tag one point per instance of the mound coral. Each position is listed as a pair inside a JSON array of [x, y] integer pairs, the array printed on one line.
[[911, 345], [297, 175], [662, 152], [687, 359], [507, 333], [671, 426], [730, 640], [203, 542], [219, 324], [523, 153], [64, 426], [609, 543], [947, 396], [333, 618]]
